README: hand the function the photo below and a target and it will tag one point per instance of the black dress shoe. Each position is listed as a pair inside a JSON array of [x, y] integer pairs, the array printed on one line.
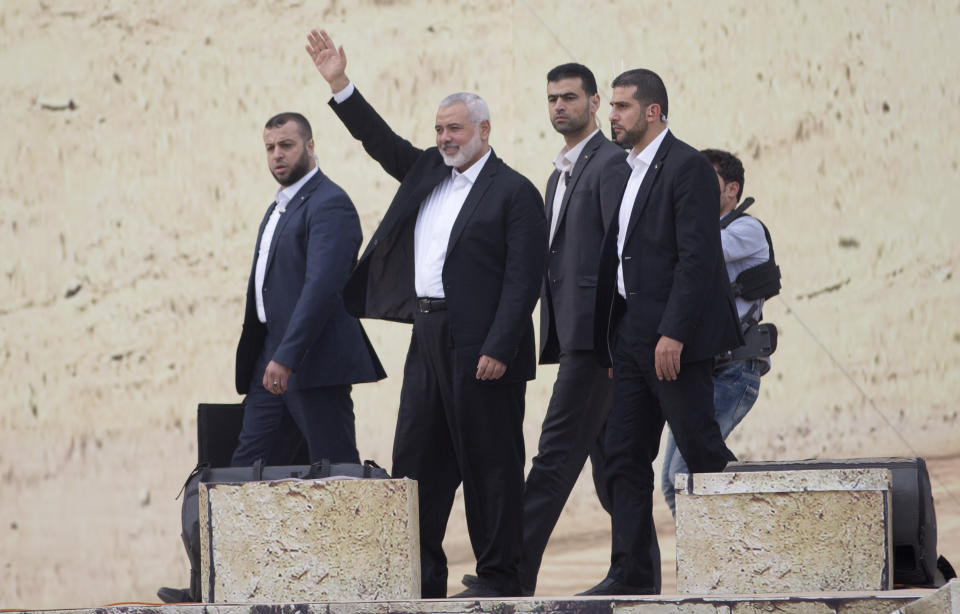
[[609, 586], [479, 590], [175, 595], [470, 580]]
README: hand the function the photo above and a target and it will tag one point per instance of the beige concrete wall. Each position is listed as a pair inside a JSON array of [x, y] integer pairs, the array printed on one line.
[[143, 203]]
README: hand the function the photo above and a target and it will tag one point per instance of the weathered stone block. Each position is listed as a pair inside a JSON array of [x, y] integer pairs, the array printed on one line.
[[945, 601], [784, 531], [309, 541]]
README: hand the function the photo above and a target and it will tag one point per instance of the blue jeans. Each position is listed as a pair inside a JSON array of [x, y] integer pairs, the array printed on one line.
[[735, 389]]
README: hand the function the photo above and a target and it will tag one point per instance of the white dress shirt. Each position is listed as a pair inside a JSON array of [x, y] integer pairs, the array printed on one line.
[[639, 162], [282, 199], [564, 163], [431, 236], [435, 220]]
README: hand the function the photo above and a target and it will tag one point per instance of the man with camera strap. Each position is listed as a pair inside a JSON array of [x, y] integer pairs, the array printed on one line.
[[754, 277]]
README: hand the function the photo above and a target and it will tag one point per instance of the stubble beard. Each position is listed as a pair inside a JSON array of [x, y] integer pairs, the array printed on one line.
[[630, 138], [574, 124]]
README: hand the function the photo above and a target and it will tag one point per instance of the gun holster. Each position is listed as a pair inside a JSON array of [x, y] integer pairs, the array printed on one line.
[[759, 341]]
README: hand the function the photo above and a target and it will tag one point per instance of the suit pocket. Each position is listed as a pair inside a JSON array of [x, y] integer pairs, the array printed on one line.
[[587, 281]]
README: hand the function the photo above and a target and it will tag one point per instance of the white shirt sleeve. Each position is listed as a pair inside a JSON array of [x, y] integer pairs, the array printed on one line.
[[343, 94]]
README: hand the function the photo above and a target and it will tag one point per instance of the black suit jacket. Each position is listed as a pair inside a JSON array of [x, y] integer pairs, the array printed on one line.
[[495, 257], [313, 250], [673, 267], [569, 293]]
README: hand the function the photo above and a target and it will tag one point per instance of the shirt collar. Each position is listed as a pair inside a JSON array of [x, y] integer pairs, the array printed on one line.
[[645, 157], [567, 158], [473, 172], [285, 194]]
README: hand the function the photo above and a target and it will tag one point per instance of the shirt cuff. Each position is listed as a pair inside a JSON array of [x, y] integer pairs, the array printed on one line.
[[343, 94]]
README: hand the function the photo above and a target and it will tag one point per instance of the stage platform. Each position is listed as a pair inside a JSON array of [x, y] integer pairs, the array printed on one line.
[[915, 601]]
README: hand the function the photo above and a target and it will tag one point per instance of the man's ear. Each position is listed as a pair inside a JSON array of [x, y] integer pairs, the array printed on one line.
[[594, 104], [653, 112], [310, 146], [485, 129]]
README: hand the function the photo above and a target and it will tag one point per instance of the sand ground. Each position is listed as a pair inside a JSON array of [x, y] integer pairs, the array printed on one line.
[[133, 182]]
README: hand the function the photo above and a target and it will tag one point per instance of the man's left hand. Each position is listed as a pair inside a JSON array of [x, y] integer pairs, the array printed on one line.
[[490, 368], [666, 358], [275, 378]]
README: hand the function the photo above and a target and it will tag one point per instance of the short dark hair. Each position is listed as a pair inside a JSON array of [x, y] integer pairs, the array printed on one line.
[[571, 70], [650, 87], [728, 166], [303, 126]]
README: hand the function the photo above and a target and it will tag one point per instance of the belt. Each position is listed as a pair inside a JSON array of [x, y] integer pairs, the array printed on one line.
[[429, 305], [763, 364]]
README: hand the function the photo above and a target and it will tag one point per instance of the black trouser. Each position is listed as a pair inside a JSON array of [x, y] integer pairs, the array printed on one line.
[[452, 427], [641, 404], [324, 415], [572, 429]]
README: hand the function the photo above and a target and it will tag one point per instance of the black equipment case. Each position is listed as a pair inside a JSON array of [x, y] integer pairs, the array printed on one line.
[[218, 430]]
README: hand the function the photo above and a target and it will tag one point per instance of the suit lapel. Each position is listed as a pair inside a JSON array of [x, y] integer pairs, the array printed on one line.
[[578, 167], [295, 203], [646, 186], [551, 193], [256, 253], [428, 184], [484, 180], [263, 226], [407, 203]]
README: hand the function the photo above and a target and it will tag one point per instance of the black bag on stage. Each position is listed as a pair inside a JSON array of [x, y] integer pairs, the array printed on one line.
[[218, 430], [914, 521], [190, 512]]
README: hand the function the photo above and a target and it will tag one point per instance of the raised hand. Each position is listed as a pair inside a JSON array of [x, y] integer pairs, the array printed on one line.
[[329, 60]]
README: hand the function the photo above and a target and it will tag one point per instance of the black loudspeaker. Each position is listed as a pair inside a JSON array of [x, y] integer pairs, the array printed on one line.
[[914, 520], [218, 430]]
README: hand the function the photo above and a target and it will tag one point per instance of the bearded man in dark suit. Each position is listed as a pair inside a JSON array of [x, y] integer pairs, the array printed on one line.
[[664, 310], [300, 351], [460, 254]]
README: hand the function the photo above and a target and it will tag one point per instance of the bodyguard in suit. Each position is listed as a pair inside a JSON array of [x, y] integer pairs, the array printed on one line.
[[573, 425], [460, 254], [664, 311], [300, 350]]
